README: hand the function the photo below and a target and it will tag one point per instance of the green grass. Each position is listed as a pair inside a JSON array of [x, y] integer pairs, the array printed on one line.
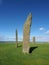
[[10, 55]]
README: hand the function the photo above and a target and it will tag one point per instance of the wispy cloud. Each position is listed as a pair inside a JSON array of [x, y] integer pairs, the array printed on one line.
[[41, 28], [10, 38], [2, 38], [47, 32], [38, 38], [42, 38]]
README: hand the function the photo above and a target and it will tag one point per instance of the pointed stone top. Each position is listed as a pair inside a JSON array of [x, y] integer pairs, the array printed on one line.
[[28, 20], [30, 14], [16, 30]]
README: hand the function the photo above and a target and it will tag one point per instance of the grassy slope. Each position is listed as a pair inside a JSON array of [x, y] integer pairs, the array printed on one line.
[[10, 55]]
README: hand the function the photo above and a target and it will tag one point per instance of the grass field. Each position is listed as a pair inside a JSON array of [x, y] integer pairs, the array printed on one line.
[[10, 55]]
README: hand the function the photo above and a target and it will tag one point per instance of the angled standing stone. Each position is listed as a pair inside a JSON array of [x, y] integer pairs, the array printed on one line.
[[26, 33], [16, 38], [34, 40]]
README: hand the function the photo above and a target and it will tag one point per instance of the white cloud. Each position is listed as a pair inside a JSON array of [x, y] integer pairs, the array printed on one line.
[[47, 32], [41, 28]]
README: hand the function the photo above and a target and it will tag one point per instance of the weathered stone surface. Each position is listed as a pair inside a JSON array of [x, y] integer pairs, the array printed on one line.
[[16, 38], [34, 40], [26, 33]]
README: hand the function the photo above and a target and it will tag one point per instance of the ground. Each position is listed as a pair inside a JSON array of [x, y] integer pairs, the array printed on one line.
[[10, 55]]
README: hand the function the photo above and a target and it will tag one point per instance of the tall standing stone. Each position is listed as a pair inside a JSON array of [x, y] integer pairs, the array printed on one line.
[[16, 38], [34, 40], [26, 33]]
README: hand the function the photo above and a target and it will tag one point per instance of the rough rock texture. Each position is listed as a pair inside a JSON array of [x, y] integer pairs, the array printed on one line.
[[16, 38], [26, 33], [34, 40]]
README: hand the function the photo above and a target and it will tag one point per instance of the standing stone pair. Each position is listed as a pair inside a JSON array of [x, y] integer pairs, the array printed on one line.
[[26, 34]]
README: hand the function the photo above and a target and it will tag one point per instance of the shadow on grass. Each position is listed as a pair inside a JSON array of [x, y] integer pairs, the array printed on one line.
[[32, 49]]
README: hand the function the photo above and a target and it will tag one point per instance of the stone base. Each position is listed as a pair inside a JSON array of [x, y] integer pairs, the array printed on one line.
[[26, 50]]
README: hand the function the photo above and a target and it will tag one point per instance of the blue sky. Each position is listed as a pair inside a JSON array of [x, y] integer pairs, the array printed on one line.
[[13, 14]]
